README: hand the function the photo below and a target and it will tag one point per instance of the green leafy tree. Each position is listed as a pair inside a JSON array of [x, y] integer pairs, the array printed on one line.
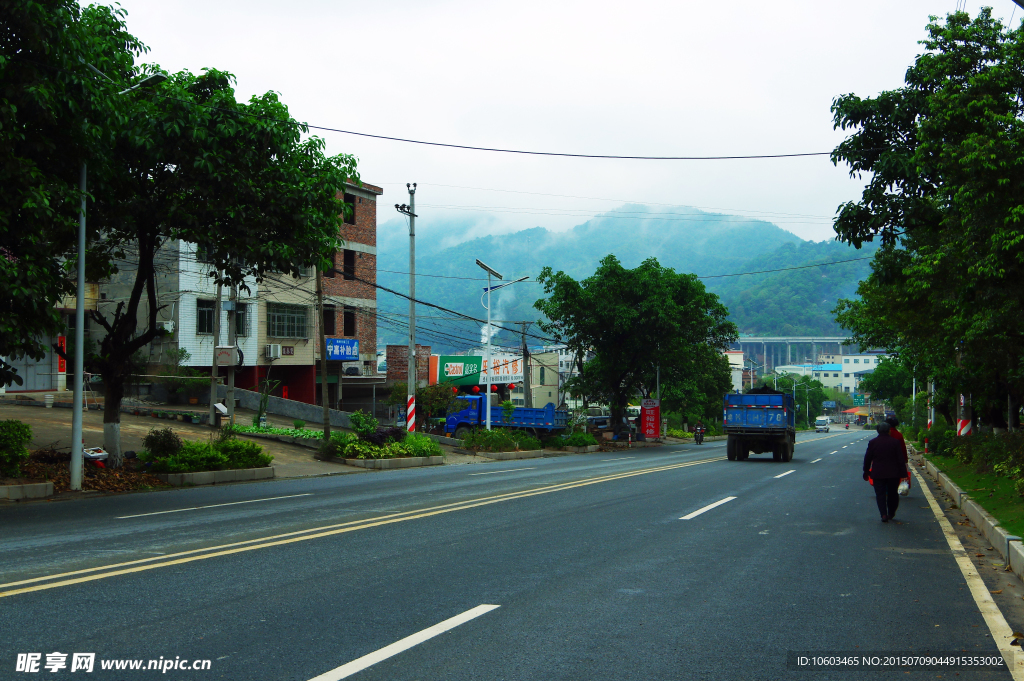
[[54, 114], [632, 321], [945, 159], [191, 163]]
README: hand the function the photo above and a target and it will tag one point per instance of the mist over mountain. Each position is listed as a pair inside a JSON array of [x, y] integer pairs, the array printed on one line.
[[686, 239]]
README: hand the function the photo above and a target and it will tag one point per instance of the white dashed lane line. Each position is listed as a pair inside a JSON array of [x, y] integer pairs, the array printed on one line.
[[690, 516], [782, 475], [816, 461]]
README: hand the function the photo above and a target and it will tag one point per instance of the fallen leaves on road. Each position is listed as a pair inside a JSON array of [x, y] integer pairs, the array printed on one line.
[[999, 591], [979, 554], [52, 466]]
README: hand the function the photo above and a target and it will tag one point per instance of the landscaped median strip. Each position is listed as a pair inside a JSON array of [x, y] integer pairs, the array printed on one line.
[[312, 533]]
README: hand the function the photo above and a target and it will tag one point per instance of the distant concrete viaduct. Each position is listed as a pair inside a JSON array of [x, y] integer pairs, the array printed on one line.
[[773, 351]]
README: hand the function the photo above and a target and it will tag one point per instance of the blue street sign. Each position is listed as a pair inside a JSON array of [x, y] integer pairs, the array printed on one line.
[[828, 404], [345, 349]]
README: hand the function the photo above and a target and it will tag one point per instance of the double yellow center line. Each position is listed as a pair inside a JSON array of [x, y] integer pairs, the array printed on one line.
[[113, 570]]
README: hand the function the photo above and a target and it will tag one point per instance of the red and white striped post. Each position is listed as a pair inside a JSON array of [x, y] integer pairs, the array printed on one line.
[[410, 414]]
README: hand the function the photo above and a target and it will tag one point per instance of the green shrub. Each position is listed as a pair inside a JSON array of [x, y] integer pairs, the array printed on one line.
[[679, 433], [421, 445], [299, 424], [363, 425], [14, 436], [244, 454], [580, 440], [501, 440], [358, 449], [162, 443], [191, 458]]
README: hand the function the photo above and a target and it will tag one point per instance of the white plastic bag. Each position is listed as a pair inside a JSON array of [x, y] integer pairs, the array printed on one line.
[[904, 488]]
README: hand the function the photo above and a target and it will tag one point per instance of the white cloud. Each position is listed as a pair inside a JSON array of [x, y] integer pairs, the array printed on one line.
[[650, 78]]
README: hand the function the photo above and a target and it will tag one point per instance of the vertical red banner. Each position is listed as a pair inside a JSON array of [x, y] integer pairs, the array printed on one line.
[[62, 365], [284, 392], [650, 418]]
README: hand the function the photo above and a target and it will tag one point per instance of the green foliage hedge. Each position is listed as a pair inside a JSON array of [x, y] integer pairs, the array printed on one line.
[[579, 440], [1001, 454], [14, 438], [192, 457], [500, 440]]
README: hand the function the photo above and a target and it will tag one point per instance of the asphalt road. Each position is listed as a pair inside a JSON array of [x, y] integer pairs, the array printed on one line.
[[593, 571]]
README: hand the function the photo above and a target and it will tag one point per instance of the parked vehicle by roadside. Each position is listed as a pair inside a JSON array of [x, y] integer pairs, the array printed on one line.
[[821, 424], [472, 415]]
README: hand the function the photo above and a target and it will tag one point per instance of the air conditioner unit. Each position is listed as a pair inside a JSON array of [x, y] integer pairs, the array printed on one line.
[[273, 351], [166, 326]]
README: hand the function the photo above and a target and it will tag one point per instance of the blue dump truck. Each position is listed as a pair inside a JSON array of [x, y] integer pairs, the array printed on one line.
[[472, 415], [762, 420]]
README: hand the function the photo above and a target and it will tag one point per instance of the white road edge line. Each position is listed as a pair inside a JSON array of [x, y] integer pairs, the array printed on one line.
[[1001, 631], [197, 508], [696, 513], [397, 647], [782, 475], [507, 470], [816, 461], [621, 458]]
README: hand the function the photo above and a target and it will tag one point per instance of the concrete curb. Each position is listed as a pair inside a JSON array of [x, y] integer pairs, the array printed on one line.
[[1008, 546], [216, 477], [31, 490], [405, 462], [509, 456], [441, 439]]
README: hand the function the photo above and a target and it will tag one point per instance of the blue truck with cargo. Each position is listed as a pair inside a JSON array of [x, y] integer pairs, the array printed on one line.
[[762, 420], [472, 415]]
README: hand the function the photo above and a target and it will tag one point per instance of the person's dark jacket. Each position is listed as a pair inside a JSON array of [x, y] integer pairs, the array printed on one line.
[[884, 458]]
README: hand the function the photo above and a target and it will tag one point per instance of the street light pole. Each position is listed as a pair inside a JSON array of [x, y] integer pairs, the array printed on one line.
[[75, 466], [487, 360]]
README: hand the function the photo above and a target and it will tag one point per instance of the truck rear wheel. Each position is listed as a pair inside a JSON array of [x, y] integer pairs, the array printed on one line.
[[778, 451], [787, 451], [730, 449]]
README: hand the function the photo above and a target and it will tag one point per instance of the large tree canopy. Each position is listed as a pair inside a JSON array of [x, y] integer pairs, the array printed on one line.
[[54, 114], [633, 321], [945, 156]]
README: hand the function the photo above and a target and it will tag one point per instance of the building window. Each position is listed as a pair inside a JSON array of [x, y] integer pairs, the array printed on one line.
[[286, 321], [203, 254], [817, 374], [845, 375], [350, 321], [542, 375], [329, 273], [856, 361], [835, 375], [204, 317], [846, 361], [329, 318], [348, 269], [847, 388], [350, 209], [241, 319]]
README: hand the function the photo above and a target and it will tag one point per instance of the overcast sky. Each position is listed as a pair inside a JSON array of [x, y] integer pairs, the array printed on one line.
[[639, 78]]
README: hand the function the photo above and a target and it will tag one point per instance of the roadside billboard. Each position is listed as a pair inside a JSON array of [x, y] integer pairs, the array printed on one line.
[[650, 418], [344, 349], [472, 370]]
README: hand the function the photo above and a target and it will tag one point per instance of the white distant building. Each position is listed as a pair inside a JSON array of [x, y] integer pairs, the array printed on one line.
[[735, 358], [844, 372]]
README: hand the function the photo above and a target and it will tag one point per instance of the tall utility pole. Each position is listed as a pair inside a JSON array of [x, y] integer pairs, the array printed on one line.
[[233, 342], [214, 370], [77, 455], [323, 353], [410, 212], [527, 370]]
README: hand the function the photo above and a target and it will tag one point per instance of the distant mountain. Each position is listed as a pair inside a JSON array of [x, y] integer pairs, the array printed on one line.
[[686, 239]]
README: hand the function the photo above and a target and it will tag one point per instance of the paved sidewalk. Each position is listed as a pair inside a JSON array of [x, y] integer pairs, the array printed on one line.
[[52, 428]]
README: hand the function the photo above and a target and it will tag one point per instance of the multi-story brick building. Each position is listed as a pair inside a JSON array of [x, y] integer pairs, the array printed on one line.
[[350, 303]]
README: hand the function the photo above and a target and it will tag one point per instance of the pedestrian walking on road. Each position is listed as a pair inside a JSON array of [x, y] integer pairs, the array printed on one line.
[[884, 465], [893, 422]]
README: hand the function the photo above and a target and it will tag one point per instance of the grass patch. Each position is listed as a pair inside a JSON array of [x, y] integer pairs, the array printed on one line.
[[1005, 504]]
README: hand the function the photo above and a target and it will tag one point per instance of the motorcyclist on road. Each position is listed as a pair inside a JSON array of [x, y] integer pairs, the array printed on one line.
[[698, 433]]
